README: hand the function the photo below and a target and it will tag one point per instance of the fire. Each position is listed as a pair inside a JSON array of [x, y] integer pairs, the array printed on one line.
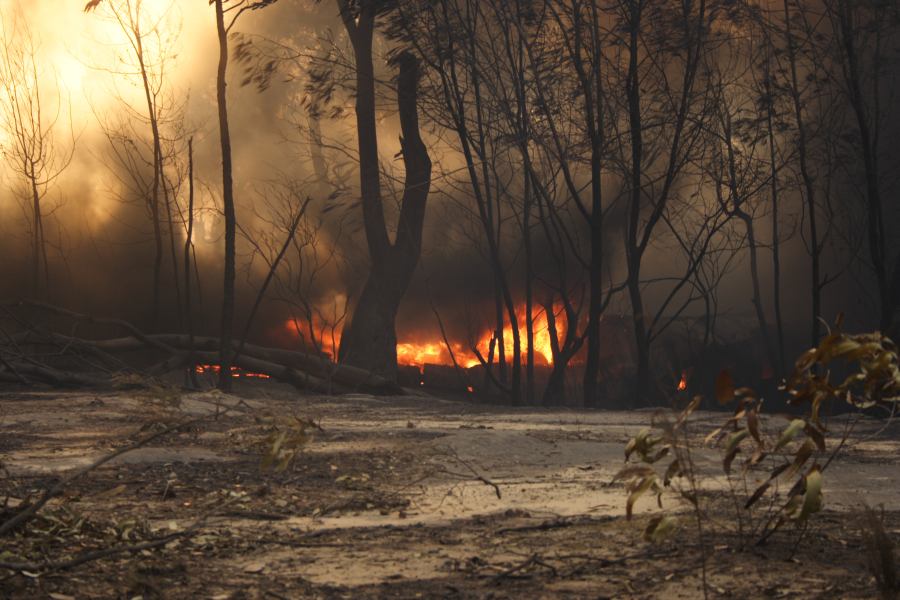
[[418, 353], [414, 354], [682, 383], [543, 350], [298, 333], [236, 372], [437, 353]]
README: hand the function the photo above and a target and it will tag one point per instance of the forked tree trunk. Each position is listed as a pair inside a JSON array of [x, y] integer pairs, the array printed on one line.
[[369, 340]]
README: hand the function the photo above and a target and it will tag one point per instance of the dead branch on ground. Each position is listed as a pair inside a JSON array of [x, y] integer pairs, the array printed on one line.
[[38, 354]]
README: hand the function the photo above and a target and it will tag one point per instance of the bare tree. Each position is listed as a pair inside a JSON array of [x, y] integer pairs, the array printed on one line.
[[33, 151], [800, 91], [230, 12], [651, 93], [864, 31], [148, 55]]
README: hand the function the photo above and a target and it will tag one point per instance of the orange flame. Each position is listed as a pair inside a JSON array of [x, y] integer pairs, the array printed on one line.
[[236, 372], [682, 383], [543, 349], [418, 353]]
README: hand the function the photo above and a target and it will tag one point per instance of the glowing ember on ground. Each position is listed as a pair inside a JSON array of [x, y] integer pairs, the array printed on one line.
[[236, 372]]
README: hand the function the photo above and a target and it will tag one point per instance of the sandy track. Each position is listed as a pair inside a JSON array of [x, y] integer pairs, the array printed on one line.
[[393, 498]]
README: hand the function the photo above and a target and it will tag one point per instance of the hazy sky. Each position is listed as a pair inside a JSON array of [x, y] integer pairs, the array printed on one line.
[[107, 251]]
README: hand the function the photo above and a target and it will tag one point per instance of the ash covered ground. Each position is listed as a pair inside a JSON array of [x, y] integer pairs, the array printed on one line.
[[391, 497]]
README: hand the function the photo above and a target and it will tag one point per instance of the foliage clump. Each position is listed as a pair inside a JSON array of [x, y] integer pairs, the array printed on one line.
[[758, 465]]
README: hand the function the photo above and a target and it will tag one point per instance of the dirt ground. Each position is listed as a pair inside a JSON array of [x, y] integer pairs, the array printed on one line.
[[400, 497]]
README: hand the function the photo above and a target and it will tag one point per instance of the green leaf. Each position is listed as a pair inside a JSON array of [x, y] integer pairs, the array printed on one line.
[[795, 427], [733, 447], [801, 456], [637, 441], [659, 528], [812, 497]]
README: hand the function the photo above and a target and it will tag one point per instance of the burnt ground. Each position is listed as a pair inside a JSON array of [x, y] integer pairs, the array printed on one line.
[[392, 498]]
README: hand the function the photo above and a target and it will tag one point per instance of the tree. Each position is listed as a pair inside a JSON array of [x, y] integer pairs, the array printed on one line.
[[33, 150], [237, 8], [148, 54], [370, 340], [863, 30], [652, 94], [799, 91]]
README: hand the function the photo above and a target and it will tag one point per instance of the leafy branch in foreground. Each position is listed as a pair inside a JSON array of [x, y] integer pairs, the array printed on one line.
[[859, 370]]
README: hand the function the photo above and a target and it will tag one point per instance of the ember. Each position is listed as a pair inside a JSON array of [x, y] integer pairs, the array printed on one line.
[[236, 372]]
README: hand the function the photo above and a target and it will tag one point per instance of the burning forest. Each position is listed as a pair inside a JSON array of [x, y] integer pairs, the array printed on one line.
[[289, 282]]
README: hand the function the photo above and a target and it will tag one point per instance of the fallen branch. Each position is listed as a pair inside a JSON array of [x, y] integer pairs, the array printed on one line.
[[473, 472], [29, 512], [93, 555], [305, 371], [120, 323], [533, 561]]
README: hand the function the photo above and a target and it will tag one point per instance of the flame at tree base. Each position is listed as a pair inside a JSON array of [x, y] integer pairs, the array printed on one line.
[[437, 350]]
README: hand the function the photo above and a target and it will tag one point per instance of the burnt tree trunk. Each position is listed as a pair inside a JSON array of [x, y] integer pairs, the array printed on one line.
[[809, 188], [633, 246], [369, 340], [226, 349], [868, 141]]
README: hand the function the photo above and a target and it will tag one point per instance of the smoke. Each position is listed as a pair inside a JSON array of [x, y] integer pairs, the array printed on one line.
[[102, 250]]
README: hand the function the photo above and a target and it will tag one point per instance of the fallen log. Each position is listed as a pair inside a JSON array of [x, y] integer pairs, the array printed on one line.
[[299, 379], [302, 370], [269, 361]]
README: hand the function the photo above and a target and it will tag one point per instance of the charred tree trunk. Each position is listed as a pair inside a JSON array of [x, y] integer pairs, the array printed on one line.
[[868, 140], [809, 190], [739, 202], [157, 175], [555, 392], [38, 248], [369, 340], [633, 252], [188, 246], [529, 297], [776, 215], [225, 350]]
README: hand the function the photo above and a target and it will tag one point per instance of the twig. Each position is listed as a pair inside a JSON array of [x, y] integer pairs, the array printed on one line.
[[93, 555], [254, 515], [533, 560], [12, 369], [30, 511], [273, 268], [97, 554], [472, 470]]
